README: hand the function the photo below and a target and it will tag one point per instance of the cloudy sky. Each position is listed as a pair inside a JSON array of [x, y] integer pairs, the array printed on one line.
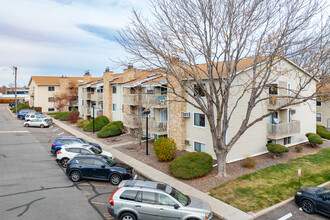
[[61, 37]]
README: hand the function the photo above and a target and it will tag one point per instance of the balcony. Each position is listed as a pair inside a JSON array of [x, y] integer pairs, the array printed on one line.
[[86, 96], [98, 111], [85, 110], [73, 102], [154, 100], [132, 120], [97, 96], [132, 99], [275, 102], [282, 130], [155, 127]]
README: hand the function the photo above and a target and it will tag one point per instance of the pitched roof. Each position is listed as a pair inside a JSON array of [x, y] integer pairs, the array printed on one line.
[[55, 80]]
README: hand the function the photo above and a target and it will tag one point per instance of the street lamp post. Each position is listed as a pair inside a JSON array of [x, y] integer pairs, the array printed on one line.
[[146, 113]]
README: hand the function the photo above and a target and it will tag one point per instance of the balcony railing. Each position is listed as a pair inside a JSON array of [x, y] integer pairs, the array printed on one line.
[[156, 127], [132, 120], [132, 99], [154, 99], [278, 131], [275, 102], [86, 96], [97, 96]]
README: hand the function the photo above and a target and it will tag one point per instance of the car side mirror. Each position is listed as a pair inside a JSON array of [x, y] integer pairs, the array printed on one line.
[[176, 206], [103, 166]]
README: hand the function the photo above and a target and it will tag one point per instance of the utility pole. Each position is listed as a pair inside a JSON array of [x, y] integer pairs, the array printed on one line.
[[15, 72]]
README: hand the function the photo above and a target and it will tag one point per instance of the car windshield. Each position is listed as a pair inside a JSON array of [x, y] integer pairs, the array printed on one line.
[[109, 161], [83, 140], [182, 198], [323, 191], [42, 116], [95, 150]]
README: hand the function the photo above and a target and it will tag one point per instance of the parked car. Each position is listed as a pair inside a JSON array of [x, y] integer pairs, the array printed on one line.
[[21, 114], [314, 199], [38, 122], [138, 199], [68, 152], [12, 104], [29, 117], [70, 140], [97, 167]]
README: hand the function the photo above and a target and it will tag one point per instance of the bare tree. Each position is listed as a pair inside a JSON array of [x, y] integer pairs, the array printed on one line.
[[182, 34], [67, 98], [3, 89]]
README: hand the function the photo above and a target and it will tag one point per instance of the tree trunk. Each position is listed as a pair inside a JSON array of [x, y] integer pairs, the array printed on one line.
[[222, 165]]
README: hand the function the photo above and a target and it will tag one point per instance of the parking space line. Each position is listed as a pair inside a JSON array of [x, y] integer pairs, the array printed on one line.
[[86, 184], [99, 203], [135, 177], [51, 126], [61, 133], [86, 193], [55, 129], [289, 215], [14, 132]]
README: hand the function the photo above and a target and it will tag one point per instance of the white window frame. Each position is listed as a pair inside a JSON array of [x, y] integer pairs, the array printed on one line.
[[319, 102], [52, 110], [196, 126], [320, 116], [199, 143], [114, 104], [196, 84], [51, 87], [115, 89]]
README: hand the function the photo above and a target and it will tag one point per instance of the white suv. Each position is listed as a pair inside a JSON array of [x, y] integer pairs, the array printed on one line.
[[30, 117], [68, 152]]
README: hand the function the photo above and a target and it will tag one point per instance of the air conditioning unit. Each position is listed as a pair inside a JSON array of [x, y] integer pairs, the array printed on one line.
[[186, 114], [293, 111], [186, 142]]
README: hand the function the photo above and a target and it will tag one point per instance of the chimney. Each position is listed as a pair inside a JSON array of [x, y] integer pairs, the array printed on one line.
[[107, 70], [87, 77], [129, 73], [130, 66]]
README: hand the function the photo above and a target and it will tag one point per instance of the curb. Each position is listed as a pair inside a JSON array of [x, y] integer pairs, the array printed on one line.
[[12, 114], [269, 209], [219, 208]]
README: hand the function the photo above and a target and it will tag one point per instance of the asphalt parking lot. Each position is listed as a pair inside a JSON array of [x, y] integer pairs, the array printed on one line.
[[97, 192]]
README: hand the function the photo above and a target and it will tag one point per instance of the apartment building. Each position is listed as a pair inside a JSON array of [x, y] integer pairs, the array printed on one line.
[[43, 88], [323, 105], [190, 129]]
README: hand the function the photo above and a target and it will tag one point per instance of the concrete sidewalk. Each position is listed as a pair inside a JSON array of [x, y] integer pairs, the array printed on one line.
[[219, 208]]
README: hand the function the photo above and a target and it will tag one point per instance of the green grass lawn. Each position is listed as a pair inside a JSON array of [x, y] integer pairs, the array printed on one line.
[[266, 187]]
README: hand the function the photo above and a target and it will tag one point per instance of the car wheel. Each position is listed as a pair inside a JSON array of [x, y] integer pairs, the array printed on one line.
[[75, 176], [21, 117], [64, 161], [308, 206], [26, 125], [127, 216], [42, 126], [115, 179]]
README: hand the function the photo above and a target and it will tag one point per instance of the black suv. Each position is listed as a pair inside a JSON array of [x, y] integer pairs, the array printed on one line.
[[97, 167]]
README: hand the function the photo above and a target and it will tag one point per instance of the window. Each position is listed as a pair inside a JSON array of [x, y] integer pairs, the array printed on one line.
[[50, 99], [51, 88], [318, 103], [98, 163], [51, 109], [165, 200], [82, 102], [273, 89], [199, 90], [271, 141], [114, 107], [163, 115], [149, 197], [83, 151], [114, 89], [287, 140], [199, 147], [318, 117], [199, 120], [74, 150], [129, 195]]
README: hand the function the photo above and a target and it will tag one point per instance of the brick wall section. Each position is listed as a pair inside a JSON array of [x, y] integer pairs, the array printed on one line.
[[176, 123], [64, 85], [107, 94]]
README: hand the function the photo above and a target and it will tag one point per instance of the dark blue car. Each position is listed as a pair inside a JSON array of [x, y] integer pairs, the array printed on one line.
[[70, 140], [97, 167]]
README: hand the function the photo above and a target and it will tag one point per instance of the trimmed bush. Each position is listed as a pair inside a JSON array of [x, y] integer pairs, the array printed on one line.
[[73, 117], [99, 123], [298, 149], [323, 132], [315, 139], [119, 124], [81, 123], [309, 133], [109, 130], [249, 162], [191, 165], [20, 106], [64, 116], [164, 148], [276, 149]]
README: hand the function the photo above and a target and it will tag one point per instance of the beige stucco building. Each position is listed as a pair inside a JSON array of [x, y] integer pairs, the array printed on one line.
[[43, 88]]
